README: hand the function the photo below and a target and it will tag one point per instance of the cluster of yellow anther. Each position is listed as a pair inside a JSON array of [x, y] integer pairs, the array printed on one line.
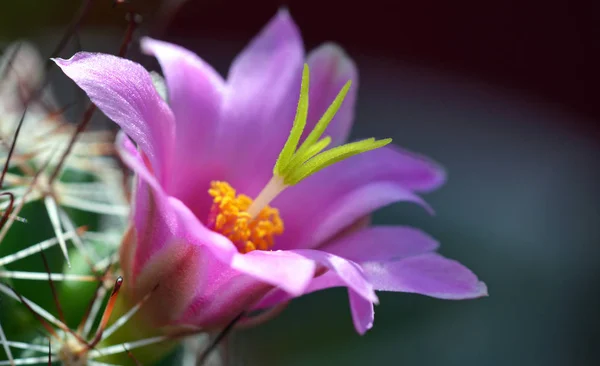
[[229, 216]]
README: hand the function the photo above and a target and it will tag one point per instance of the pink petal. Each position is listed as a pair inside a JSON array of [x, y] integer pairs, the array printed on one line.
[[322, 205], [134, 160], [237, 281], [226, 293], [195, 93], [330, 69], [289, 271], [149, 209], [382, 243], [193, 232], [327, 280], [286, 270], [341, 272], [361, 308], [123, 90], [175, 270], [428, 274], [220, 293], [348, 272], [263, 86], [160, 219], [363, 312]]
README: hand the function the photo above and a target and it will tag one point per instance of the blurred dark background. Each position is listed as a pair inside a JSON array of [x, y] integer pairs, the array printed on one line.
[[502, 93]]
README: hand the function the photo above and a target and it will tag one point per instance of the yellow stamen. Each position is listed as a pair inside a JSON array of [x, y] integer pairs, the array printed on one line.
[[230, 216]]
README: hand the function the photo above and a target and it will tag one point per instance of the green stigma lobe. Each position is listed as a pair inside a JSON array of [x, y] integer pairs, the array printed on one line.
[[295, 164], [301, 157], [291, 144], [320, 127], [332, 156]]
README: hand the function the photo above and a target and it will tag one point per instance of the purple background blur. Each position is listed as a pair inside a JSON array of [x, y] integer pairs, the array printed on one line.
[[502, 94]]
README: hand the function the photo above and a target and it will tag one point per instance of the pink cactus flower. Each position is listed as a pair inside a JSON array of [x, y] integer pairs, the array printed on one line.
[[205, 151]]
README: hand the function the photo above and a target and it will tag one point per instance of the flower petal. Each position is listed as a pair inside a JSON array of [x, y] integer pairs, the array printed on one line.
[[161, 220], [363, 312], [347, 271], [330, 69], [320, 206], [220, 293], [154, 221], [287, 270], [228, 277], [341, 272], [382, 243], [361, 308], [171, 275], [134, 160], [152, 237], [428, 274], [327, 280], [123, 90], [262, 93], [195, 93]]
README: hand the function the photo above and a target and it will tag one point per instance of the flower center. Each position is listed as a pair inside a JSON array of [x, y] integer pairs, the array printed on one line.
[[229, 216], [251, 224]]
